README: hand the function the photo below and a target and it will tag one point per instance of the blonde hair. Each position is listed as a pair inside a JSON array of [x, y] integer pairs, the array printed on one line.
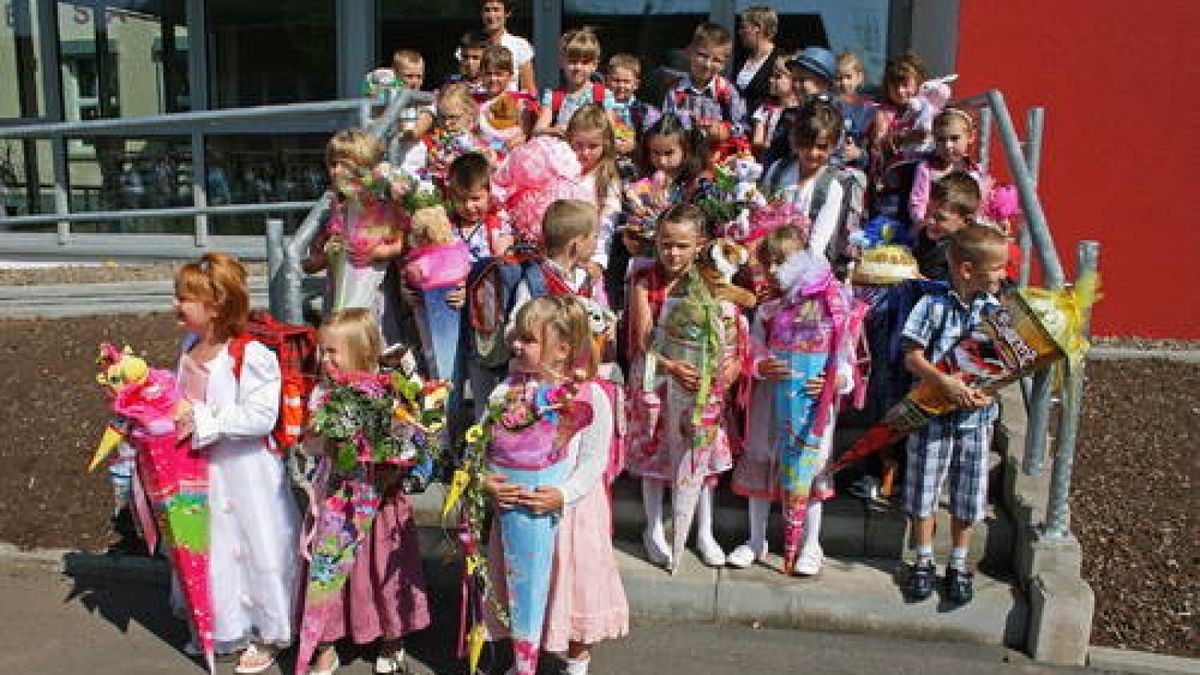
[[850, 59], [566, 316], [580, 44], [497, 57], [458, 92], [709, 34], [778, 244], [593, 117], [763, 17], [565, 221], [976, 244], [951, 113], [407, 57], [627, 61], [355, 147], [359, 334], [219, 280]]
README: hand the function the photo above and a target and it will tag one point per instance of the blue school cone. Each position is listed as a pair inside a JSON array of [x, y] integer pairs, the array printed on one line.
[[438, 324], [799, 449], [528, 543]]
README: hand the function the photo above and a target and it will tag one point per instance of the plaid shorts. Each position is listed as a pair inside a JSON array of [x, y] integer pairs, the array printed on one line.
[[949, 447]]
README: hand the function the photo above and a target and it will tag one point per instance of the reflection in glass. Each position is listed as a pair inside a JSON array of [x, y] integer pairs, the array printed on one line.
[[21, 92], [128, 174], [260, 169], [264, 53], [25, 186]]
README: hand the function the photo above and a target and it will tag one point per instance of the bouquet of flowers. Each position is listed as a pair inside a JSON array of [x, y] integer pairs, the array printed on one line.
[[644, 200], [735, 183]]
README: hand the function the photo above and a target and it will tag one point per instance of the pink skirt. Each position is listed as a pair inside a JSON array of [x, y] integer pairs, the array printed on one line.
[[587, 601], [385, 593]]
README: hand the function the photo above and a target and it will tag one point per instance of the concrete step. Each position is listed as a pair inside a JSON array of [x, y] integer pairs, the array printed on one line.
[[850, 527]]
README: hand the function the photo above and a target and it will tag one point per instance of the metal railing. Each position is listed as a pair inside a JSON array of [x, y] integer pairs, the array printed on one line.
[[298, 117], [1037, 244]]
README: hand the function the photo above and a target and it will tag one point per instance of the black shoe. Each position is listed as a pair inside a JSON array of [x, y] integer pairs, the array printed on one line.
[[959, 588], [919, 584]]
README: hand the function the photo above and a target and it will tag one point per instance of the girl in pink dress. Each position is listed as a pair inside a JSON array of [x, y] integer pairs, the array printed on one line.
[[551, 360], [685, 349], [384, 596]]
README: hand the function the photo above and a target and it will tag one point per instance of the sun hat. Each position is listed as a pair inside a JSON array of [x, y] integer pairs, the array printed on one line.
[[818, 60]]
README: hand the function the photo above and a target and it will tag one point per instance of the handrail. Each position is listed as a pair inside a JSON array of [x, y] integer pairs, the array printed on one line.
[[1024, 161]]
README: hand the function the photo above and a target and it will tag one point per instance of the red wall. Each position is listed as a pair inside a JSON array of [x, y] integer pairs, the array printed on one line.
[[1120, 81]]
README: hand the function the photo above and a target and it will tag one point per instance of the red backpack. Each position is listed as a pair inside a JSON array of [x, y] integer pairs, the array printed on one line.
[[296, 349], [558, 96]]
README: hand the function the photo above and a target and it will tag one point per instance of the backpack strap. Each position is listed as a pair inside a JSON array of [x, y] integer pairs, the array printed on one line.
[[237, 350], [820, 193], [557, 97]]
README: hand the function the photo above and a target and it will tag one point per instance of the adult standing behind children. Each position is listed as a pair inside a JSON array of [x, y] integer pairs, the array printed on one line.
[[494, 15], [756, 33]]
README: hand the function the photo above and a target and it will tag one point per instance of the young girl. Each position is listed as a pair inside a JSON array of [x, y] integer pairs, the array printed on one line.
[[785, 95], [550, 379], [890, 132], [795, 345], [383, 598], [953, 135], [685, 350], [233, 387], [857, 110], [579, 52], [590, 134], [814, 138], [455, 133], [362, 231]]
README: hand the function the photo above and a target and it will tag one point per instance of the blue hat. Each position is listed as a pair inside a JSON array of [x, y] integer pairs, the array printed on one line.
[[817, 60]]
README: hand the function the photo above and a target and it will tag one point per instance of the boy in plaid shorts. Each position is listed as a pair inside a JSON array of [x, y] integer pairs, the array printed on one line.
[[953, 446]]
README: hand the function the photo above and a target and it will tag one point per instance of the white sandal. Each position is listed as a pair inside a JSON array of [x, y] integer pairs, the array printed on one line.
[[334, 665], [744, 556], [254, 651]]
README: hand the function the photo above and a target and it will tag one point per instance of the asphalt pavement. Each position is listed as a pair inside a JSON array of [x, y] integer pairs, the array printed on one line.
[[52, 623]]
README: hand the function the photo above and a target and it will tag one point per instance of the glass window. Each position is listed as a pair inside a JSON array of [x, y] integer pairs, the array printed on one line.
[[251, 169], [656, 31], [859, 26], [434, 29], [265, 53], [126, 173], [21, 92], [26, 181]]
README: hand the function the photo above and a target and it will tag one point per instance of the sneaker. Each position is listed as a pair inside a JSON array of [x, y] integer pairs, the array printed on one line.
[[959, 587], [921, 577], [391, 663], [808, 563]]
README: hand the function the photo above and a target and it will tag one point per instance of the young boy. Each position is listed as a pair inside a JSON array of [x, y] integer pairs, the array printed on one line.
[[569, 234], [579, 56], [858, 110], [954, 445], [704, 95], [409, 66], [469, 55], [633, 115], [505, 116], [468, 187], [953, 202]]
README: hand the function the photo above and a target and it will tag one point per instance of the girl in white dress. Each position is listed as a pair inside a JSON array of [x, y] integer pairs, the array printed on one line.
[[233, 386]]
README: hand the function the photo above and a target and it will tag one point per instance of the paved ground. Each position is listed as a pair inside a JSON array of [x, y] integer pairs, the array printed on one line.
[[54, 624]]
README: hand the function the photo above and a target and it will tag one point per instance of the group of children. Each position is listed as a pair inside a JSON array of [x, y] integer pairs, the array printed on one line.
[[700, 348]]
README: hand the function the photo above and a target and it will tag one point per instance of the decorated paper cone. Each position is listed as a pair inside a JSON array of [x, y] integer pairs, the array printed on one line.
[[686, 484], [528, 543], [438, 325], [345, 520], [799, 450], [176, 478]]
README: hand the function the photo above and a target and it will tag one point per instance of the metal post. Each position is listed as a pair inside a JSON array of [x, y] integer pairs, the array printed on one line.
[[294, 253], [985, 138], [275, 256], [1058, 510], [200, 188]]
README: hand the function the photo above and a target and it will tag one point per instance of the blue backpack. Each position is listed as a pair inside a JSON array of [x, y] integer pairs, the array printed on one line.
[[890, 381], [491, 293]]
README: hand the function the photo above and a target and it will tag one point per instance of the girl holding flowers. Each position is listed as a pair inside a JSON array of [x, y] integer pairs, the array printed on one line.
[[544, 441], [365, 580]]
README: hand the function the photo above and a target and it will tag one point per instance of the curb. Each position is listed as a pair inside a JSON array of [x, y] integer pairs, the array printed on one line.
[[1133, 353], [1130, 661]]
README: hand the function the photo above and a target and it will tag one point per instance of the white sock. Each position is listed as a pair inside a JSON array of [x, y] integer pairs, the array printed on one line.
[[652, 502], [812, 524], [924, 552], [958, 558], [760, 510], [577, 666], [704, 521]]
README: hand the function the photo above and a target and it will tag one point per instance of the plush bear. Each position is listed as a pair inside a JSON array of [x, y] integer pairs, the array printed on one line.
[[719, 260]]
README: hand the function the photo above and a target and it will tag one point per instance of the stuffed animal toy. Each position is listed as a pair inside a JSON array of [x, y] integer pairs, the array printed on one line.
[[435, 258], [430, 226], [504, 113], [718, 261], [932, 96], [747, 173]]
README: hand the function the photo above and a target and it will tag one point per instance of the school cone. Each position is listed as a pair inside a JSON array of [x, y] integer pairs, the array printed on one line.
[[439, 331]]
